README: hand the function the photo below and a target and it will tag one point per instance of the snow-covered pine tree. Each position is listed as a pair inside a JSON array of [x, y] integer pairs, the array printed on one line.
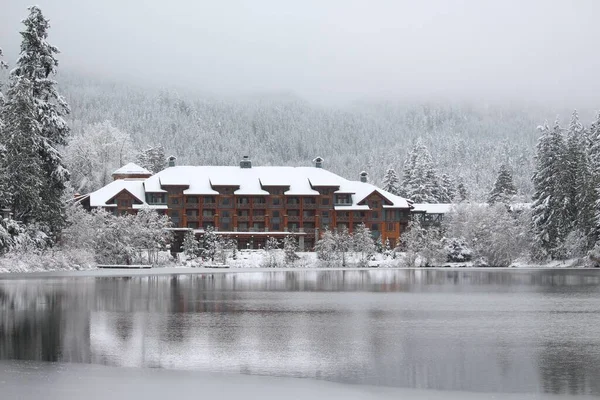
[[448, 189], [153, 159], [325, 246], [343, 242], [579, 185], [363, 243], [592, 193], [191, 247], [548, 210], [36, 63], [463, 194], [290, 246], [504, 188], [391, 182], [23, 175], [209, 243], [420, 182]]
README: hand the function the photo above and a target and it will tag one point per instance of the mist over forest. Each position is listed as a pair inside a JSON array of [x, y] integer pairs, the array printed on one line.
[[468, 141]]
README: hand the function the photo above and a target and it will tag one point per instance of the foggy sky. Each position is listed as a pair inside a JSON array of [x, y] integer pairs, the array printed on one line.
[[331, 50]]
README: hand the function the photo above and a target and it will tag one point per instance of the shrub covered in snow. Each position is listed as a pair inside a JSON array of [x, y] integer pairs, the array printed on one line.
[[457, 250]]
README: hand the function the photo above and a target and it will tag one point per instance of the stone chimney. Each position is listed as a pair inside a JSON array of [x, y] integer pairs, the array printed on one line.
[[172, 160], [318, 162], [364, 177], [246, 162]]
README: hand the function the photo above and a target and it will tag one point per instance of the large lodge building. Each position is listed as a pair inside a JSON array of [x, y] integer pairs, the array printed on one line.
[[250, 203]]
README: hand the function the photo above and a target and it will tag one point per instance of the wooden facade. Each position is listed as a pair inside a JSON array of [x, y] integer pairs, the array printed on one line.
[[275, 212]]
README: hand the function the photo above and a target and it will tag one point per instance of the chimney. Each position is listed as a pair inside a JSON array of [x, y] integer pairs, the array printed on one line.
[[364, 177], [172, 161], [246, 163], [318, 162]]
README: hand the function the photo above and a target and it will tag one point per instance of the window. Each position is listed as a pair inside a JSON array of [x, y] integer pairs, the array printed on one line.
[[325, 201], [292, 227], [157, 198], [209, 199], [275, 214], [243, 200], [124, 203], [375, 204], [293, 200], [225, 214], [226, 226], [175, 200], [375, 227], [390, 226], [259, 213], [260, 200], [225, 201], [192, 225], [242, 213], [192, 200], [374, 215], [208, 213], [309, 200], [276, 201], [275, 226], [191, 213]]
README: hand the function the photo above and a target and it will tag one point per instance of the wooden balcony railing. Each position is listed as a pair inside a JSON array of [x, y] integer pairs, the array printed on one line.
[[292, 206], [242, 206], [192, 218], [243, 218], [294, 218], [310, 206], [209, 205], [258, 218], [208, 218]]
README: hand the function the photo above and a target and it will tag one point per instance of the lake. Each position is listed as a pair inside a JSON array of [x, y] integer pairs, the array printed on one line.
[[493, 330]]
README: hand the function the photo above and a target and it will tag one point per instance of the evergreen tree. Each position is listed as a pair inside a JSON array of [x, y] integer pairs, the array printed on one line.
[[325, 246], [420, 183], [448, 189], [43, 122], [191, 247], [581, 196], [548, 215], [153, 159], [391, 182], [289, 249], [363, 243], [504, 188], [463, 194], [343, 242], [210, 243], [591, 195]]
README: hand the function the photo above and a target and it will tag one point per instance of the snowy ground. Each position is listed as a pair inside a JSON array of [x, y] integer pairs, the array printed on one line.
[[63, 263], [36, 380]]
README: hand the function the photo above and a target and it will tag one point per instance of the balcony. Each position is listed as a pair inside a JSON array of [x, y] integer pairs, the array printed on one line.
[[211, 204], [192, 218], [310, 206], [258, 218], [242, 206], [208, 218], [294, 218], [343, 218], [309, 231], [293, 206], [243, 218], [309, 218]]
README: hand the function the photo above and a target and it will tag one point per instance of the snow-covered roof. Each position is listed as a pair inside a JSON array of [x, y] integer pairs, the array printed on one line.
[[202, 180], [132, 169], [441, 208], [102, 195]]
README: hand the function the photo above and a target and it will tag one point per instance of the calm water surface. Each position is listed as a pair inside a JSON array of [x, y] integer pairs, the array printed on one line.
[[472, 330]]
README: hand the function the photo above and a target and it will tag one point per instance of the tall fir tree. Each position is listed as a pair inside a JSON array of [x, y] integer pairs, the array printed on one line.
[[592, 193], [504, 188], [462, 192], [420, 182], [580, 191], [391, 182], [550, 222], [449, 190], [43, 123]]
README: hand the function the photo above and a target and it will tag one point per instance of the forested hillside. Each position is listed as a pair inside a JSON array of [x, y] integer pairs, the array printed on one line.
[[467, 142]]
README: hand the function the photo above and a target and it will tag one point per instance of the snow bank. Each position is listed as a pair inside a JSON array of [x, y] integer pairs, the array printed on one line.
[[60, 260]]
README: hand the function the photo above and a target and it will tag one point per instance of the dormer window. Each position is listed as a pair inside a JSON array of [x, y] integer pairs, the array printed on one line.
[[343, 199]]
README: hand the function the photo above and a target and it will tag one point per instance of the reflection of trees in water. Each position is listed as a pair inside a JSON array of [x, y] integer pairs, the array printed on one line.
[[42, 323], [569, 368]]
